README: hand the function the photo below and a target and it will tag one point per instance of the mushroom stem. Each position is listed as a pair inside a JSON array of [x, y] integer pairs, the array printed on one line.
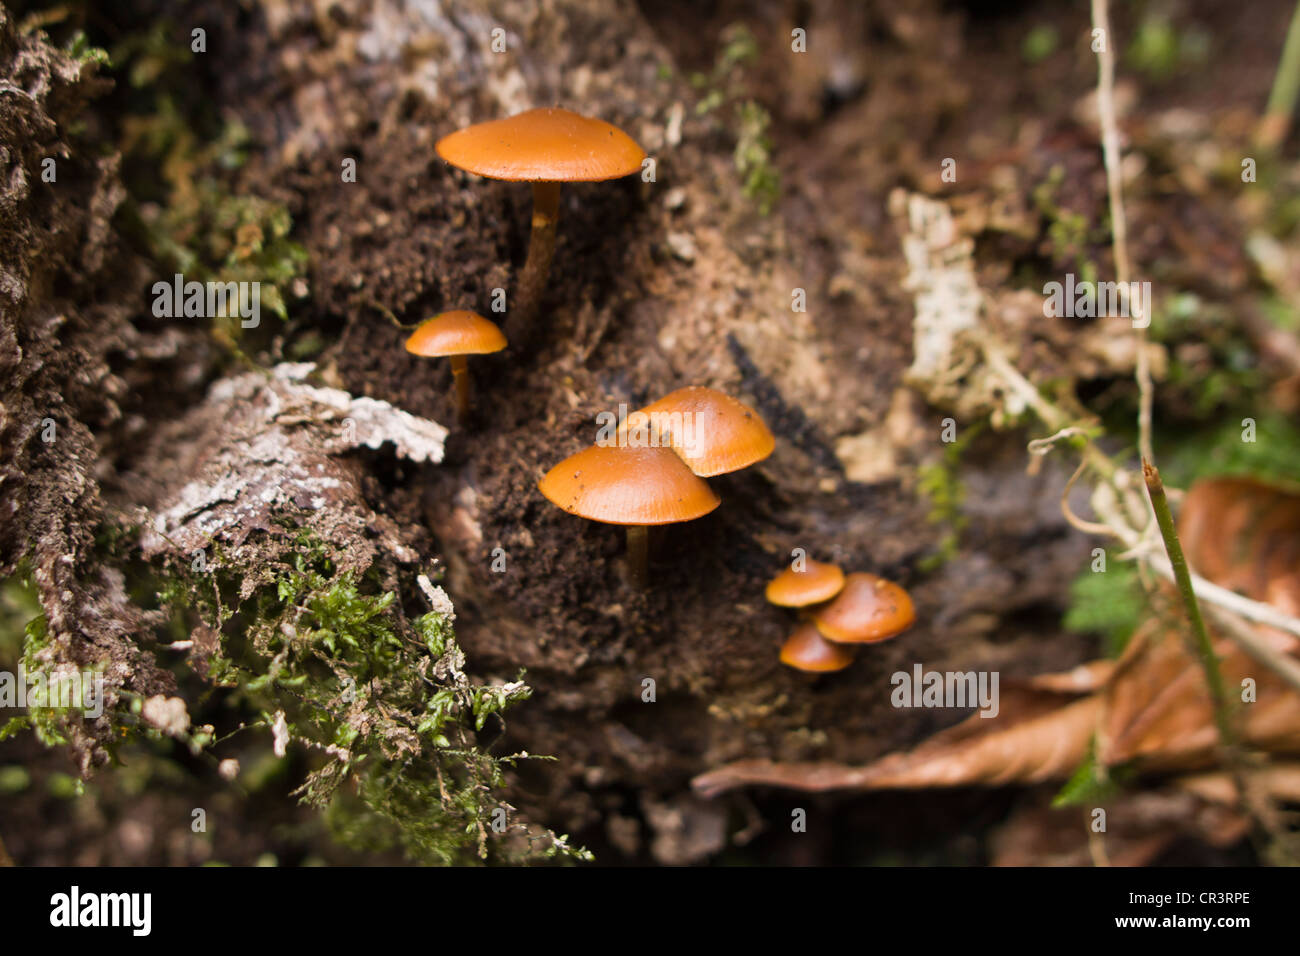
[[460, 371], [638, 550], [541, 247]]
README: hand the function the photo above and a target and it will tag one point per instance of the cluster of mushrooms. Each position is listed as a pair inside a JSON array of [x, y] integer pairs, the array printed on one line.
[[652, 472], [839, 612], [544, 147]]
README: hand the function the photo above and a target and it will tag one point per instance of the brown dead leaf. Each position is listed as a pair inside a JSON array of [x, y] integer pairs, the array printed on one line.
[[1244, 534], [1038, 735], [1158, 708]]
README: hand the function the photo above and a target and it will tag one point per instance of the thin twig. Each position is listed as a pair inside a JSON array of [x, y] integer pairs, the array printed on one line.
[[1245, 637], [1229, 609], [1202, 646], [1259, 809], [1110, 147], [1248, 608], [1025, 389], [388, 314], [1087, 527], [1041, 446], [1139, 545]]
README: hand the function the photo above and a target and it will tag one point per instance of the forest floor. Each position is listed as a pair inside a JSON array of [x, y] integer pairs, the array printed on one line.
[[689, 280]]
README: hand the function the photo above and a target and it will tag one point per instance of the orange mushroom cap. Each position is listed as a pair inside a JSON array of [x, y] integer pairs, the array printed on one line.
[[817, 582], [711, 431], [634, 486], [869, 609], [807, 650], [543, 145], [456, 333]]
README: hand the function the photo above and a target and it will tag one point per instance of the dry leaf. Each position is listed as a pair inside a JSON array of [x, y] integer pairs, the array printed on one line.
[[1158, 707], [1244, 534], [1038, 735]]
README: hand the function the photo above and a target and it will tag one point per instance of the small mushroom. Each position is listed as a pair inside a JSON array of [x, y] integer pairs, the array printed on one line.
[[869, 609], [636, 487], [545, 147], [455, 335], [711, 431], [815, 583], [807, 650]]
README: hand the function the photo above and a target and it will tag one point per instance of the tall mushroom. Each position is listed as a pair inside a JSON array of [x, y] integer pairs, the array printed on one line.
[[711, 431], [545, 147], [455, 335], [636, 487], [869, 609]]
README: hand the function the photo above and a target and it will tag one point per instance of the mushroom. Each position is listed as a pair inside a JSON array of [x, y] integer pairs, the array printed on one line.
[[807, 650], [545, 147], [636, 487], [815, 583], [711, 431], [869, 609], [454, 335]]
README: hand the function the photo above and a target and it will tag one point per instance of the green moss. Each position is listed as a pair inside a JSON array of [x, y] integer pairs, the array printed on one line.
[[1069, 233], [46, 722], [940, 483], [19, 605], [753, 156], [329, 662], [726, 78], [1219, 449], [177, 161], [1212, 364], [381, 701], [82, 50]]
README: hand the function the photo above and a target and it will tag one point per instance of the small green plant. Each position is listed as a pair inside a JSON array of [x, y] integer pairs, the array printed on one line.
[[1092, 782], [1108, 602], [81, 49], [1159, 50], [753, 157], [1068, 232], [726, 83]]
